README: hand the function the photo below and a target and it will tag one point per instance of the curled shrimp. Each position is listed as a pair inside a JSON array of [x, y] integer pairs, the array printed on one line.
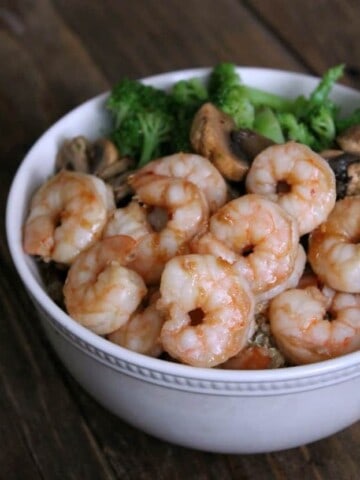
[[208, 309], [67, 215], [186, 212], [257, 236], [334, 250], [194, 168], [297, 178], [290, 282], [141, 333], [100, 292], [311, 325], [252, 357], [130, 220]]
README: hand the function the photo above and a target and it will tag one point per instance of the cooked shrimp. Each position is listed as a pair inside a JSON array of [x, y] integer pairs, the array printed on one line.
[[334, 250], [257, 236], [304, 333], [194, 168], [208, 308], [67, 215], [290, 282], [141, 333], [252, 357], [186, 213], [130, 220], [100, 292], [297, 178]]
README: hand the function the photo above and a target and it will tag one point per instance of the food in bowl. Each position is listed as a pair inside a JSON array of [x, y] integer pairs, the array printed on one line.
[[182, 267], [213, 409]]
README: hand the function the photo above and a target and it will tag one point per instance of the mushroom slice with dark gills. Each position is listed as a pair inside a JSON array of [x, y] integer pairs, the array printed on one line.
[[346, 167], [210, 136], [100, 158], [248, 143], [73, 155]]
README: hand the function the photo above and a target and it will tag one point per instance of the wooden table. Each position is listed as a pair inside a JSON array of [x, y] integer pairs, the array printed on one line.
[[56, 54]]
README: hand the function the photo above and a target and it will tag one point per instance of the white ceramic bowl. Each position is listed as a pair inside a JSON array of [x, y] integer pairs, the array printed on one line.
[[207, 409]]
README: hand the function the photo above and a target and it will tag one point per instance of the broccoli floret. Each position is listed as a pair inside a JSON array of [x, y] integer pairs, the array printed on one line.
[[238, 100], [186, 96], [180, 136], [189, 93], [143, 119], [322, 91], [222, 78], [304, 107], [240, 108], [125, 96], [323, 125], [155, 130], [128, 137], [296, 130]]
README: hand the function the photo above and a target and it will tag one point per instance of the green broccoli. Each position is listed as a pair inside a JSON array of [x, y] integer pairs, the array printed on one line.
[[238, 106], [142, 119], [304, 107], [155, 128], [239, 101], [189, 93], [222, 77], [128, 137], [124, 97], [295, 130], [267, 124], [322, 124], [321, 93], [186, 96]]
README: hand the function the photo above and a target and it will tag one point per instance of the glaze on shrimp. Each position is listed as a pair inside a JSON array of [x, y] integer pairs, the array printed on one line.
[[208, 308], [141, 333], [130, 220], [298, 179], [186, 212], [311, 325], [194, 168], [257, 236], [334, 249], [100, 292], [291, 282], [67, 215]]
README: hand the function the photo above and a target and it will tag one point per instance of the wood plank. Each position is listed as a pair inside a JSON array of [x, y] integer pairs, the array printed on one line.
[[320, 34], [49, 422], [48, 72], [71, 51], [140, 38]]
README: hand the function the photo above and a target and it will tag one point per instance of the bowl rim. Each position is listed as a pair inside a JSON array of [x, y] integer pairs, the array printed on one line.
[[70, 328]]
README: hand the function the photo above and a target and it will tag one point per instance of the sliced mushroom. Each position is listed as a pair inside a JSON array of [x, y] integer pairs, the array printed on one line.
[[248, 143], [102, 154], [331, 153], [100, 158], [349, 140], [210, 136], [121, 187], [346, 167], [73, 155]]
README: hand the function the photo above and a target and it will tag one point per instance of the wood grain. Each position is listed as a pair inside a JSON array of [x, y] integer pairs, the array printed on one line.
[[54, 55], [321, 34]]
